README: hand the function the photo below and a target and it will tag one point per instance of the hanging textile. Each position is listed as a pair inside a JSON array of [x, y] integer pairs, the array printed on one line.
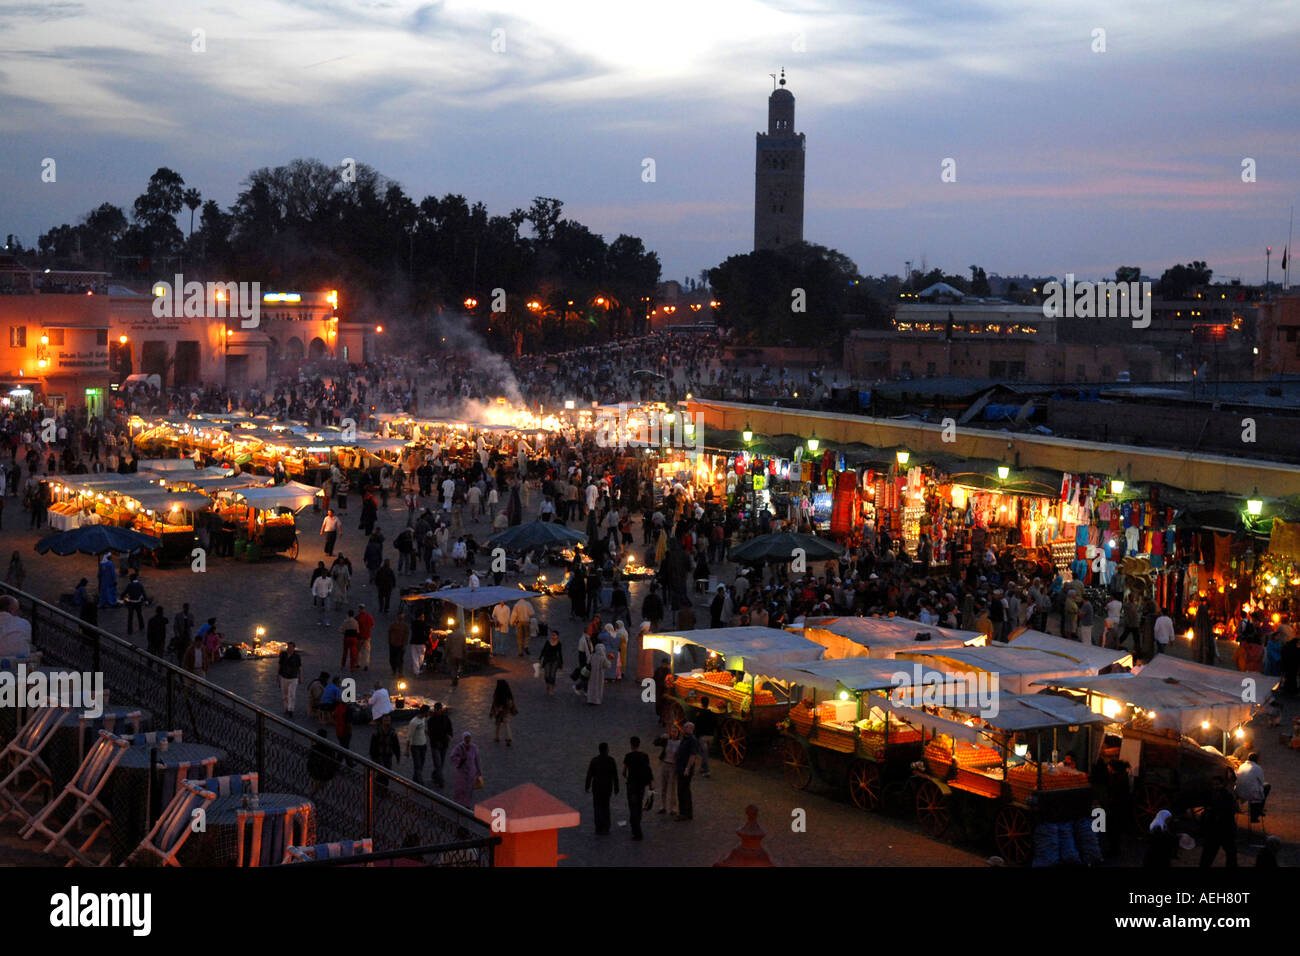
[[1285, 539]]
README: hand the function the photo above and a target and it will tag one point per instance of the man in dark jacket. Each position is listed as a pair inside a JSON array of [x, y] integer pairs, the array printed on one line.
[[688, 753], [440, 732], [157, 633], [638, 776], [134, 597], [384, 749], [1220, 825], [385, 581], [602, 780]]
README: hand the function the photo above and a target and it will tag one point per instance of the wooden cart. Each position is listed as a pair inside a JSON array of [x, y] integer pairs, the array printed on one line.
[[852, 740], [717, 665], [980, 782]]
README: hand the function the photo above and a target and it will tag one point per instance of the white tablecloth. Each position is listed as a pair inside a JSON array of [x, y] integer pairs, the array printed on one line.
[[62, 522]]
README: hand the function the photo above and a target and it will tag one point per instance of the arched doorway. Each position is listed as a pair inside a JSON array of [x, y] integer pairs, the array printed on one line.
[[317, 349], [293, 350]]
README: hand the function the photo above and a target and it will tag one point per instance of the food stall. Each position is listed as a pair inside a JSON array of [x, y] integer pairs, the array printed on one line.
[[264, 517], [170, 516], [78, 500], [1098, 660], [1175, 723], [882, 637], [1001, 776], [1012, 668], [446, 611], [711, 669], [849, 738]]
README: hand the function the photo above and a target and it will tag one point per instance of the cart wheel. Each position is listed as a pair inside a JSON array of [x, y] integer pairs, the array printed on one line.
[[1013, 832], [1149, 800], [676, 714], [864, 784], [794, 761], [932, 810], [293, 550], [733, 740]]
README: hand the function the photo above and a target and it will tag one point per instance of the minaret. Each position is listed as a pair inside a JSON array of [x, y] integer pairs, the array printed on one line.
[[778, 175]]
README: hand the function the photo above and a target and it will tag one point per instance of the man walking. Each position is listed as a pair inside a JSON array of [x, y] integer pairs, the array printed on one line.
[[521, 619], [602, 780], [330, 529], [638, 776], [440, 732], [290, 675], [399, 635], [134, 597], [688, 759], [157, 633]]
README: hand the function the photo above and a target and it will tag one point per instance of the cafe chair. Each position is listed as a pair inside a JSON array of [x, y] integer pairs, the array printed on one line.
[[130, 724], [229, 785], [173, 828], [23, 755], [84, 792], [154, 737], [251, 825], [330, 851]]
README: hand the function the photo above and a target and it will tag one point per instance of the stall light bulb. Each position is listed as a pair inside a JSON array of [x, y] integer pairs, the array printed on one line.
[[1239, 733], [1022, 749], [402, 686], [844, 695], [1205, 725], [451, 621]]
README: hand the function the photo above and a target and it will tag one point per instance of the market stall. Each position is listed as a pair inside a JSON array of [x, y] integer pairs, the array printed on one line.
[[464, 610], [1011, 668], [170, 516], [263, 518], [1175, 723], [882, 637], [843, 734], [712, 670], [1004, 775]]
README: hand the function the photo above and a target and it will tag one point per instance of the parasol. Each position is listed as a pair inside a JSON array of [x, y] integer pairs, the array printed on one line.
[[536, 535], [97, 539], [780, 547]]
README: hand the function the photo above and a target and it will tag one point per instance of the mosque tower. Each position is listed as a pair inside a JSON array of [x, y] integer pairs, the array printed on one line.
[[778, 175]]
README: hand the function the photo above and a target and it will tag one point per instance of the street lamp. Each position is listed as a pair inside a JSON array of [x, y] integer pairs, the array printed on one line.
[[1003, 472], [813, 442], [1254, 505], [902, 456], [1117, 486], [747, 434]]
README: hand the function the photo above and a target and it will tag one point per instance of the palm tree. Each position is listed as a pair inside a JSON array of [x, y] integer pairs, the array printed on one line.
[[192, 199]]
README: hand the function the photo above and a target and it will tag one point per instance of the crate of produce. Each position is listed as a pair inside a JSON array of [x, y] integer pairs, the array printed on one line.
[[938, 758], [834, 737], [977, 755], [973, 782], [801, 718]]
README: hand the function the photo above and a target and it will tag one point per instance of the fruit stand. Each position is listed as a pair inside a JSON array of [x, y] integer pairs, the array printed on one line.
[[264, 518], [841, 734], [1000, 776], [713, 669], [170, 516], [1176, 724]]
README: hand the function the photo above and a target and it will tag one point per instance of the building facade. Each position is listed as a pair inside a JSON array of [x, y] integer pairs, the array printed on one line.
[[778, 175]]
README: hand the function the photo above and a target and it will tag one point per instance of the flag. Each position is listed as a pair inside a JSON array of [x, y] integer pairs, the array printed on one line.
[[1285, 249]]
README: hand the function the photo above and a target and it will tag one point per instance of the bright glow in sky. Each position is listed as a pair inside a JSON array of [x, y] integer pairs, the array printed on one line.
[[1067, 159]]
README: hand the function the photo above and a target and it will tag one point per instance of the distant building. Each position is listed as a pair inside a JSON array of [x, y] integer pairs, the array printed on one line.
[[778, 175], [1278, 336]]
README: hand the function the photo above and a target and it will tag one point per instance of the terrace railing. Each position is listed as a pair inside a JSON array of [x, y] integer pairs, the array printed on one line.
[[361, 799]]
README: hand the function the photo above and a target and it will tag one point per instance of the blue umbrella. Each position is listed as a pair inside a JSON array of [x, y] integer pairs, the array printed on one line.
[[536, 535], [96, 539]]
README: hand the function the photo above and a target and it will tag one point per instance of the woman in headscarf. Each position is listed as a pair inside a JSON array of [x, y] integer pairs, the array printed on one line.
[[464, 757], [1162, 842], [661, 547], [620, 650], [598, 664], [609, 638]]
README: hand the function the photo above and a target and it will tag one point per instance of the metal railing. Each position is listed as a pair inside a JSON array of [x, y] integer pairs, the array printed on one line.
[[359, 799]]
